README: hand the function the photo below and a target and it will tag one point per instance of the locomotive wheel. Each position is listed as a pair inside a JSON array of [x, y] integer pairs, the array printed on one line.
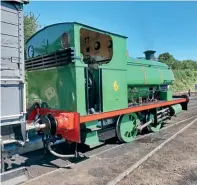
[[127, 127], [155, 128]]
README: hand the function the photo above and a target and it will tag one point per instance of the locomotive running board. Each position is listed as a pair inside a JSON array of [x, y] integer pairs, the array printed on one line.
[[14, 177], [138, 108]]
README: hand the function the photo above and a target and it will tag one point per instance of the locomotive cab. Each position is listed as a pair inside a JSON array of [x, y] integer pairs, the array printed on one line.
[[79, 83]]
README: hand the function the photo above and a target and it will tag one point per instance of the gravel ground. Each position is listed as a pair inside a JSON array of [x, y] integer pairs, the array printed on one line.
[[107, 161], [174, 164]]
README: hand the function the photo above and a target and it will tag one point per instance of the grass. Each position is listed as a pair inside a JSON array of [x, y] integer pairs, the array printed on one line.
[[184, 80]]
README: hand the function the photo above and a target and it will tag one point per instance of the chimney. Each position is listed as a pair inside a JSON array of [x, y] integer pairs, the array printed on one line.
[[149, 55]]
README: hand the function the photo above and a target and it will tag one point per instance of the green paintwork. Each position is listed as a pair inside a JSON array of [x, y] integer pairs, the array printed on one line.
[[176, 109], [166, 95], [64, 87], [128, 127], [111, 72], [48, 39], [145, 72], [91, 139], [155, 128], [114, 100], [89, 134], [56, 86]]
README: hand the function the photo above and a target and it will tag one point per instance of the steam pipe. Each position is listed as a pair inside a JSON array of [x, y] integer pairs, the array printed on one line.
[[58, 155], [13, 146]]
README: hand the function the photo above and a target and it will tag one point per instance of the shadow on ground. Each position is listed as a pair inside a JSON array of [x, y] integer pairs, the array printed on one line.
[[190, 178], [46, 159], [43, 158]]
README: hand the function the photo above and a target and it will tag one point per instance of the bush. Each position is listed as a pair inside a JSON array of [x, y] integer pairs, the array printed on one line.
[[184, 80]]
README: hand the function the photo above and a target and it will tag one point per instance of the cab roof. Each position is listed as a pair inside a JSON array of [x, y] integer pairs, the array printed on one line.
[[80, 24], [84, 25]]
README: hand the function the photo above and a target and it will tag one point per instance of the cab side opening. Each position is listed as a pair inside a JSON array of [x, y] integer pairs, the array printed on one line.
[[96, 49]]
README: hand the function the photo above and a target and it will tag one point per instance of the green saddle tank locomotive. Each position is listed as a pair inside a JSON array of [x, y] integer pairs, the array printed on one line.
[[83, 87]]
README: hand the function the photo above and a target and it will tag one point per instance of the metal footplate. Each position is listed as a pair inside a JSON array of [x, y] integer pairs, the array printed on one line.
[[14, 177]]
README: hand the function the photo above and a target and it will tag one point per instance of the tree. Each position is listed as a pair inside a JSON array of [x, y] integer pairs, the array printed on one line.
[[31, 25], [166, 58], [189, 64]]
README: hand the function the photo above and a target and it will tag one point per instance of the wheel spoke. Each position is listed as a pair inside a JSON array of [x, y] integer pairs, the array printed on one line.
[[155, 128], [127, 127]]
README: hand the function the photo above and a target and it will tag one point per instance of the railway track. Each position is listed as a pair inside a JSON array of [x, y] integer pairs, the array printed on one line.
[[39, 167], [146, 157], [177, 161]]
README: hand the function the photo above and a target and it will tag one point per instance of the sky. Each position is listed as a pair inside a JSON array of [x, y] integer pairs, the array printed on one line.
[[161, 26]]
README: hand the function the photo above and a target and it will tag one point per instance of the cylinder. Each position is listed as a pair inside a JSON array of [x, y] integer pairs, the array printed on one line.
[[176, 109]]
